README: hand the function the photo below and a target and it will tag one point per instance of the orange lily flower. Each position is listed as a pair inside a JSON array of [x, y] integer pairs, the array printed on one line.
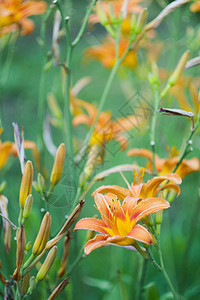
[[195, 7], [166, 165], [106, 129], [113, 10], [141, 190], [8, 148], [14, 14], [178, 92], [119, 221], [105, 53]]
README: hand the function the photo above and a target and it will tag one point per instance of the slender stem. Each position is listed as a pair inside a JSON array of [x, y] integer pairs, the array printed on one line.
[[83, 27], [12, 224], [41, 105], [151, 257], [29, 261], [187, 144], [163, 270], [101, 105], [68, 116], [76, 261], [141, 279], [190, 239], [153, 125]]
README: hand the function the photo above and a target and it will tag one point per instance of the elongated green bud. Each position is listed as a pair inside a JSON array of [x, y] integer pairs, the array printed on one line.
[[41, 182], [26, 184], [32, 284], [28, 246], [47, 264], [179, 69], [27, 206], [141, 20], [176, 74], [43, 235], [2, 187], [58, 165]]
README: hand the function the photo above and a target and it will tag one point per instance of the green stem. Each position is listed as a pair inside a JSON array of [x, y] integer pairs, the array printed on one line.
[[163, 270], [29, 261], [187, 144], [41, 105], [190, 239], [151, 257], [76, 261], [153, 125], [83, 27], [141, 280]]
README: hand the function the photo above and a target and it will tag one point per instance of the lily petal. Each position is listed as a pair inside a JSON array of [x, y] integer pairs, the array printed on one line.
[[91, 224], [119, 191], [103, 208], [170, 186], [98, 241], [128, 204], [141, 234], [140, 152], [147, 207]]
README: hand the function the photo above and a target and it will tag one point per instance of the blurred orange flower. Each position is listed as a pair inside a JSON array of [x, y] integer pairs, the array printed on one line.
[[110, 11], [14, 14], [179, 91], [144, 190], [106, 129], [166, 165], [8, 148], [195, 7], [105, 53], [119, 221]]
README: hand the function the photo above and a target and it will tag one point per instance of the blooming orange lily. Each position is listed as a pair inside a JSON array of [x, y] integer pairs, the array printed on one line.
[[166, 165], [119, 220], [14, 14], [106, 129], [105, 53], [144, 190]]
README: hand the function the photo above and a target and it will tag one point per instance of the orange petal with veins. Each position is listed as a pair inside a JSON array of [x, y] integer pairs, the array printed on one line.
[[141, 234], [147, 207], [119, 191], [91, 224], [97, 242]]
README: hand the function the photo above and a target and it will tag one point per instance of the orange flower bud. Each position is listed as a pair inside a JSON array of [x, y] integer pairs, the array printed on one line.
[[26, 183], [58, 165], [67, 242], [21, 240], [43, 235], [59, 289], [72, 218]]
